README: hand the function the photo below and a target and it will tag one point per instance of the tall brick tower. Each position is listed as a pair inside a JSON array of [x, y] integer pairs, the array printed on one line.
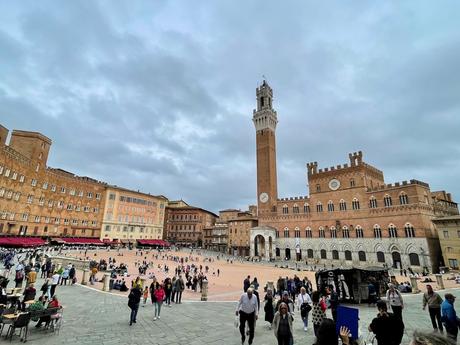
[[265, 120]]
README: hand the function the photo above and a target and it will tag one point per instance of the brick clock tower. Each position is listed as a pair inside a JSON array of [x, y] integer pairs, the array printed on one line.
[[265, 120]]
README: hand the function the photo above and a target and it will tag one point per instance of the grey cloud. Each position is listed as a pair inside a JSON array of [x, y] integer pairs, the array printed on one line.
[[158, 96]]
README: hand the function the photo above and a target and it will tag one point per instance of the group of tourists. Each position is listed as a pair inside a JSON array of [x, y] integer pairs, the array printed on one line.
[[292, 294], [167, 291], [24, 266]]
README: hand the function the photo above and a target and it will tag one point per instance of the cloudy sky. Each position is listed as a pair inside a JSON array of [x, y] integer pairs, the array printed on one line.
[[158, 95]]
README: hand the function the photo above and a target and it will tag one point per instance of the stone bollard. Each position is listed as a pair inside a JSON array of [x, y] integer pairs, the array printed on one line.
[[204, 290], [84, 279], [106, 286], [270, 286], [413, 282], [439, 281]]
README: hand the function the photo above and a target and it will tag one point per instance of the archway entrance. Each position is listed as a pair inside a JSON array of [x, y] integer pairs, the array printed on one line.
[[298, 253], [396, 259], [287, 253], [259, 246], [277, 252]]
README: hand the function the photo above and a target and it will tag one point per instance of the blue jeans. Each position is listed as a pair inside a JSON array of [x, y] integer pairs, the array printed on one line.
[[134, 313], [157, 306]]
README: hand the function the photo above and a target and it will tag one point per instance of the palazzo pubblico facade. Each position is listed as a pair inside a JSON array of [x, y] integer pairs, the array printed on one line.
[[351, 217]]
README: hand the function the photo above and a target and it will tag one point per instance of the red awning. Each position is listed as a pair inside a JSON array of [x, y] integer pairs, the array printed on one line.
[[21, 241], [154, 243], [81, 240]]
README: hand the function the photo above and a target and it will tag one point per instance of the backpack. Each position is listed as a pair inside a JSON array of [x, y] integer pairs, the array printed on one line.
[[19, 275]]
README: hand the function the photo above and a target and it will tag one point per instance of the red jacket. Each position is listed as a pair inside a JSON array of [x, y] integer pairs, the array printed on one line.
[[160, 294]]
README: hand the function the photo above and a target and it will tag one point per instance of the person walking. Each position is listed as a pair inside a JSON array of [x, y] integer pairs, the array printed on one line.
[[72, 272], [159, 297], [54, 282], [304, 305], [333, 301], [387, 327], [282, 325], [145, 295], [180, 287], [318, 313], [247, 309], [32, 276], [268, 308], [434, 301], [65, 276], [168, 291], [246, 283], [395, 301], [449, 316], [134, 298]]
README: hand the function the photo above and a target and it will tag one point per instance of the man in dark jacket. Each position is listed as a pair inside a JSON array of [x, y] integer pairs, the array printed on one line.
[[134, 299], [333, 300], [387, 328], [246, 284]]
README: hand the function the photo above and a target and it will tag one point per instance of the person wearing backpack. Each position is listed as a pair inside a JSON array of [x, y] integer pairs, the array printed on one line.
[[134, 299], [387, 327]]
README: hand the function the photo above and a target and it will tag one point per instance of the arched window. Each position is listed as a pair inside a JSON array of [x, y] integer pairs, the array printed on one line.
[[323, 254], [295, 208], [414, 259], [285, 209], [392, 231], [387, 201], [380, 257], [330, 206], [409, 230], [306, 208], [297, 232], [373, 202], [308, 233], [403, 199], [286, 232], [377, 231], [335, 254], [342, 205], [333, 232], [352, 182], [345, 232], [319, 207], [355, 204], [277, 234], [362, 255], [348, 255], [359, 231], [321, 232], [310, 253]]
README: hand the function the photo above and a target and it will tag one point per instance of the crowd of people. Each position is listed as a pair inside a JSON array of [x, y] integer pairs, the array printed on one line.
[[292, 295], [23, 268]]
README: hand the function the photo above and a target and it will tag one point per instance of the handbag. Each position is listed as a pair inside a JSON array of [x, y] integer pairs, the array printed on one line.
[[237, 322]]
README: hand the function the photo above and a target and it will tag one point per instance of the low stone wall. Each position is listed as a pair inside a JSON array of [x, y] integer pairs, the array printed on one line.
[[64, 261]]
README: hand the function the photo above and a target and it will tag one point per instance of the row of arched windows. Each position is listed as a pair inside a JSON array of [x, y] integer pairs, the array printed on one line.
[[355, 205], [344, 232], [380, 256]]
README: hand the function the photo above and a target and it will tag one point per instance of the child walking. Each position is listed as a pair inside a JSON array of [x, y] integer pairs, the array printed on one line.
[[145, 295]]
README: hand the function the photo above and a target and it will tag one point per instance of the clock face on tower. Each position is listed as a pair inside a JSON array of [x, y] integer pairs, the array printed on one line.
[[263, 197], [334, 184]]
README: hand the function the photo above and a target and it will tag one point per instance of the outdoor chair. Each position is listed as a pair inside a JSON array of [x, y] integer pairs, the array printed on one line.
[[4, 321], [21, 323]]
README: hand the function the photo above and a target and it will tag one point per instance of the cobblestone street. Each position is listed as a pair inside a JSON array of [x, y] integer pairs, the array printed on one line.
[[94, 317]]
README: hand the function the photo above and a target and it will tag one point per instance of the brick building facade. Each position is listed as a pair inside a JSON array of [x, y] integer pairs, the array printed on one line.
[[36, 200], [351, 215], [184, 224]]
